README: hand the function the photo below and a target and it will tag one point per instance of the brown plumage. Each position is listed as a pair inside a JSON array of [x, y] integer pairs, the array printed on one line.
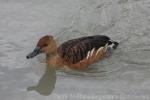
[[76, 53]]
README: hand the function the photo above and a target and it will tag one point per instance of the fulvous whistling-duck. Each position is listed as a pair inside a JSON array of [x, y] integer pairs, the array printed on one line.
[[76, 53]]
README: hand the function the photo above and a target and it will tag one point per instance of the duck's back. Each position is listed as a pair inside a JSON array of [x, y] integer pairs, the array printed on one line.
[[76, 50]]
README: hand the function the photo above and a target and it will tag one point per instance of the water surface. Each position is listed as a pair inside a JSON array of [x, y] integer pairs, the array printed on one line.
[[125, 75]]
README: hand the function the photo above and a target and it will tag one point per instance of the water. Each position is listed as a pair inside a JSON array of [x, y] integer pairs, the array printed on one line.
[[122, 76]]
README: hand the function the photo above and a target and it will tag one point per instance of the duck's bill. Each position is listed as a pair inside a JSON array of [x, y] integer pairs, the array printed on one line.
[[36, 52]]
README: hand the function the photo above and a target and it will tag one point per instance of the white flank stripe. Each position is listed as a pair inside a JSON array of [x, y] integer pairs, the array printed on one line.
[[92, 52], [106, 47], [99, 50], [88, 55]]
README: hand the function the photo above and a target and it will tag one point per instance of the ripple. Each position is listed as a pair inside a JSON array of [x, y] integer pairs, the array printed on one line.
[[101, 70]]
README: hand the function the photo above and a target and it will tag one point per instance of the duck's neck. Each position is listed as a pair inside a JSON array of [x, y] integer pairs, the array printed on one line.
[[53, 50]]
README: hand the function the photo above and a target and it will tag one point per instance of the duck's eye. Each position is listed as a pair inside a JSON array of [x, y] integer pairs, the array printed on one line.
[[45, 45]]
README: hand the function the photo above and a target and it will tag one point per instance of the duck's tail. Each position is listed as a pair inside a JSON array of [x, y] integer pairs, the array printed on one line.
[[113, 44]]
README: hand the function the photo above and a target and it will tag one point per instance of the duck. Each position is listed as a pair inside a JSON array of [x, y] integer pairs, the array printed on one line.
[[76, 54]]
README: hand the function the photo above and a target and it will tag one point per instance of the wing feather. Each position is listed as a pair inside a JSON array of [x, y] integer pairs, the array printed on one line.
[[76, 50]]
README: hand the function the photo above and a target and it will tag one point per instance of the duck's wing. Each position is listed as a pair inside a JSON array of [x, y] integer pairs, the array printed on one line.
[[76, 50]]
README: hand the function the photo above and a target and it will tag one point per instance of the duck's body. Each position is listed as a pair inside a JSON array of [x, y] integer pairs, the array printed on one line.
[[78, 53]]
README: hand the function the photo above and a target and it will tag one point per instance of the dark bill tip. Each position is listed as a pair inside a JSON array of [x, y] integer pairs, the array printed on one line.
[[34, 53]]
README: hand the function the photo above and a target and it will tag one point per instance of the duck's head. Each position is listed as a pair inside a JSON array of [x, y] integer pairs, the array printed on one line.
[[45, 45]]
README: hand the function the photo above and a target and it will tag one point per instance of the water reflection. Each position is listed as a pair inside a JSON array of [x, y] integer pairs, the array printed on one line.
[[47, 82]]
